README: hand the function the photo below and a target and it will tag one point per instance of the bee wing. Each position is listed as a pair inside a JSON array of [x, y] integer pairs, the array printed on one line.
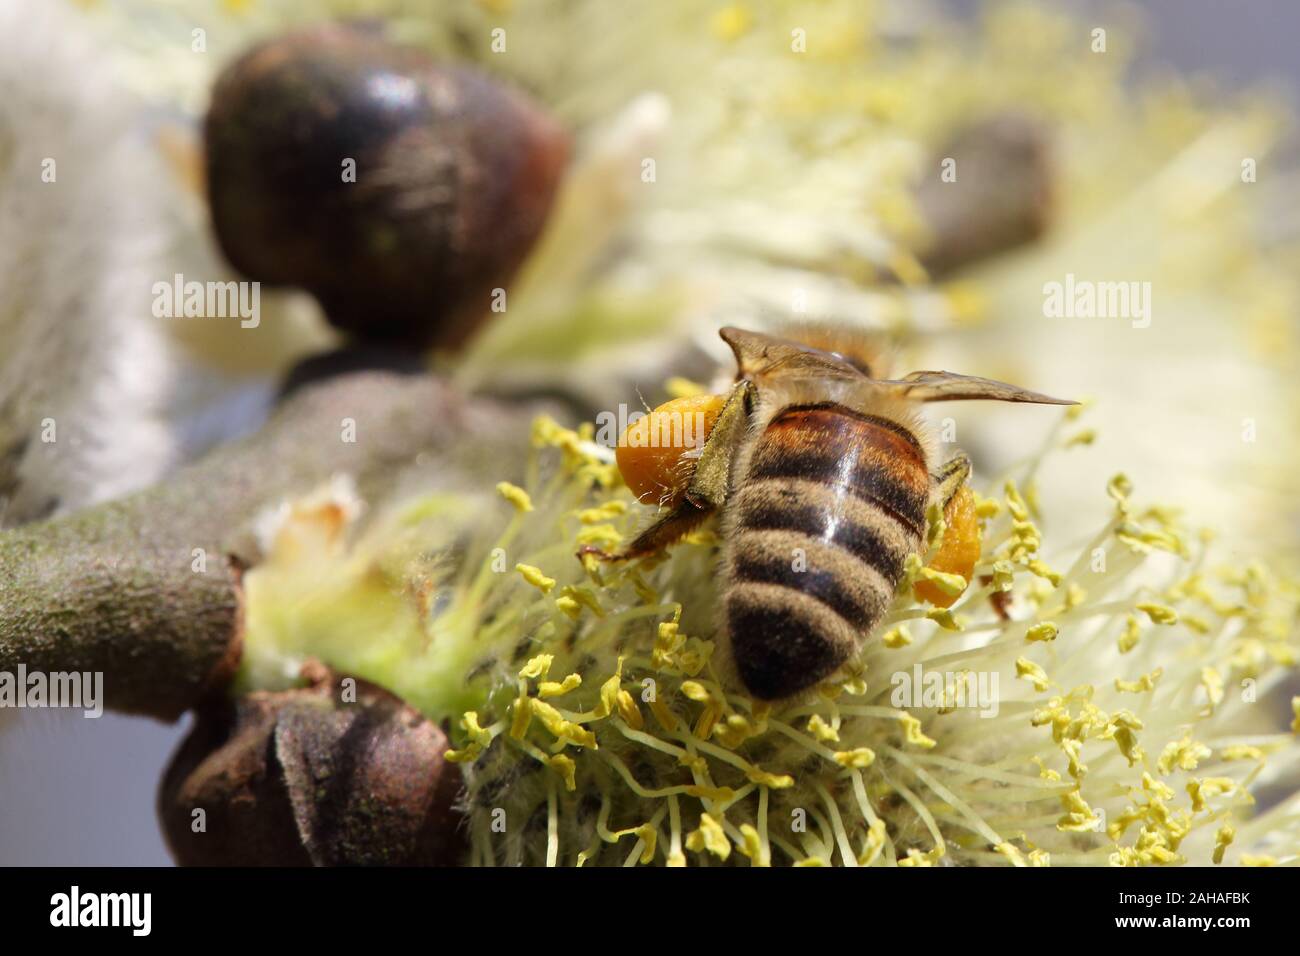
[[951, 387], [759, 355]]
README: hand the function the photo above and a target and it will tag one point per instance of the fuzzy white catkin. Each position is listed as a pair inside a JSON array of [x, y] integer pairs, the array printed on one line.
[[82, 359]]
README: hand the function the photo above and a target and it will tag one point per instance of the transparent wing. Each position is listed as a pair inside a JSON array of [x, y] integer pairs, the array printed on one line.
[[951, 387]]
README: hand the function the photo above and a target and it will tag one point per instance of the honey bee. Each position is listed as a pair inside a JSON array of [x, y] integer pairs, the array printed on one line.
[[823, 472]]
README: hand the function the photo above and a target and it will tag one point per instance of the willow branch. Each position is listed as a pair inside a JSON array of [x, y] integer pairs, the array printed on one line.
[[147, 589]]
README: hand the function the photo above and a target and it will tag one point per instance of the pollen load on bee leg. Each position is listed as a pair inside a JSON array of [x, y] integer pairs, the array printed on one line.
[[830, 504], [652, 451]]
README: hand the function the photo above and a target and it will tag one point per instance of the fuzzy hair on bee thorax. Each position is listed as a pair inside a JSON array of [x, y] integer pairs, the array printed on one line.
[[868, 352]]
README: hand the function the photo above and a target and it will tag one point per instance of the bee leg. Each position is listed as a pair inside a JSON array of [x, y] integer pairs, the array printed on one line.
[[667, 530], [711, 480], [709, 485], [950, 478]]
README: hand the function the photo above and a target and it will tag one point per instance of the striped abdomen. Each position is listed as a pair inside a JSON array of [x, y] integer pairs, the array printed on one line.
[[822, 520]]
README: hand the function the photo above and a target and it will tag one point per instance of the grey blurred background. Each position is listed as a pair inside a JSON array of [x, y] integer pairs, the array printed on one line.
[[81, 792]]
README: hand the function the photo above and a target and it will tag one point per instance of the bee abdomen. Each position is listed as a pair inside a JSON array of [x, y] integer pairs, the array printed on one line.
[[797, 607], [816, 510], [783, 640], [828, 509], [854, 590], [876, 460]]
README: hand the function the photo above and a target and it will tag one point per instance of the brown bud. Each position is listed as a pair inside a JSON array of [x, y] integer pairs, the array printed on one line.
[[301, 777], [398, 191], [1001, 197]]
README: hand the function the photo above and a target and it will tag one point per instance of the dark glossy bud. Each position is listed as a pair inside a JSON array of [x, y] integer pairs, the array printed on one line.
[[454, 177], [302, 777]]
